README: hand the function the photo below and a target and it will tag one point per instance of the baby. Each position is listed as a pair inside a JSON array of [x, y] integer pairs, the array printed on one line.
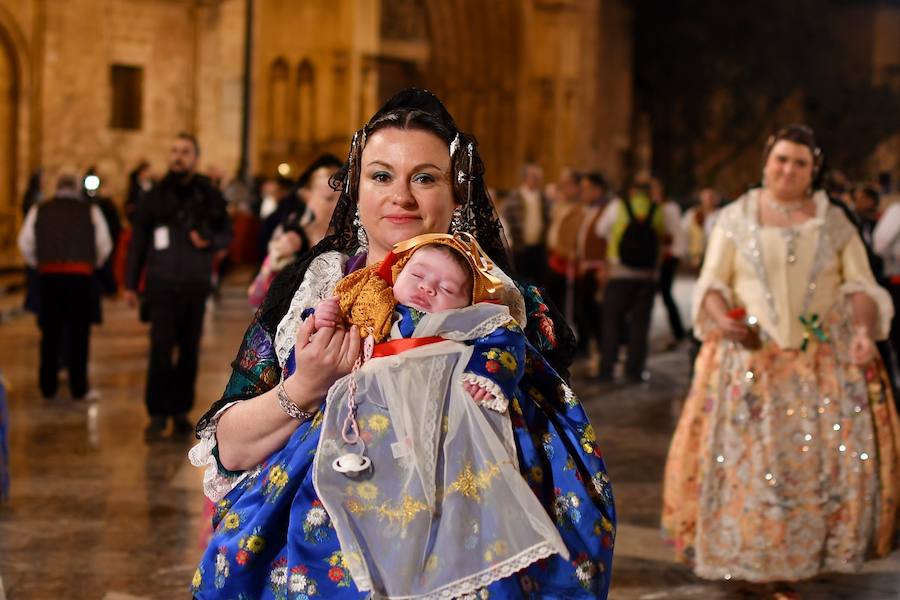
[[436, 278], [418, 480]]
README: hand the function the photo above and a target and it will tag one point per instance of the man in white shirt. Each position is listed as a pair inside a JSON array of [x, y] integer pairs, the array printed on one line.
[[886, 245], [65, 239]]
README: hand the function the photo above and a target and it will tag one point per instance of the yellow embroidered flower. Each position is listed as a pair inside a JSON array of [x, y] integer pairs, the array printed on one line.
[[588, 434], [378, 423], [367, 491], [536, 474], [492, 353], [432, 563], [232, 521], [353, 560], [255, 544], [198, 579], [278, 476], [508, 361], [336, 559], [515, 408], [495, 550]]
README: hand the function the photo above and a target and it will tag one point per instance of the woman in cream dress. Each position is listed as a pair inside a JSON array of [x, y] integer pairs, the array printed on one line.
[[784, 463]]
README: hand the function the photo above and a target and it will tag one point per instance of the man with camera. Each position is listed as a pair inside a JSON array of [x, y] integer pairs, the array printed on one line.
[[179, 226]]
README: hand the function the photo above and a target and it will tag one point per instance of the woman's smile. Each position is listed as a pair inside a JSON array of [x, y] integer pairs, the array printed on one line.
[[402, 219]]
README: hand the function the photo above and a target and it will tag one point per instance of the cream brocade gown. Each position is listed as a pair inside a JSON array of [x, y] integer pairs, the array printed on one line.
[[784, 463]]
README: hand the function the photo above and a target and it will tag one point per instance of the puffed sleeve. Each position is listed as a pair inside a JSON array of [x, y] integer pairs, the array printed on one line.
[[254, 371], [857, 277], [717, 274], [497, 364]]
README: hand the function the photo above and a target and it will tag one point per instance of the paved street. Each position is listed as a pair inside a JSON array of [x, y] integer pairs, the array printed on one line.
[[96, 512]]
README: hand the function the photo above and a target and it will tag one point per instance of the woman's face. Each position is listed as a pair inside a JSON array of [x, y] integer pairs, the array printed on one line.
[[404, 188], [789, 169], [320, 197]]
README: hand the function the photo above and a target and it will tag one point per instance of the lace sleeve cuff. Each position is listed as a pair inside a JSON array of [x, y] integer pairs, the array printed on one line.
[[217, 480], [882, 300], [703, 324], [499, 402]]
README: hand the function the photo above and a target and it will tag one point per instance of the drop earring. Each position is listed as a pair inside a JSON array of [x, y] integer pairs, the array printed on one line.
[[456, 222], [361, 236]]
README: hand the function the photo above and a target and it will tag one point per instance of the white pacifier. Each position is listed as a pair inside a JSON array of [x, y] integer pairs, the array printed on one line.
[[351, 464]]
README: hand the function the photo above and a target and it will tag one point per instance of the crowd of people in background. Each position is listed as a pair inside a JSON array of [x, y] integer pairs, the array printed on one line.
[[603, 252], [604, 256]]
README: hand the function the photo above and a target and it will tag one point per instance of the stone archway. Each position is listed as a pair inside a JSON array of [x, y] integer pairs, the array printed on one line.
[[9, 103]]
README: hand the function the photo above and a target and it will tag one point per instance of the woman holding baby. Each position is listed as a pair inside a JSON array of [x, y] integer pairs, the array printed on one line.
[[409, 172]]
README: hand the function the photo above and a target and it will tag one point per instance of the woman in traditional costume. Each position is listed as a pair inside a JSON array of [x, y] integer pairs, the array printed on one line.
[[784, 463], [410, 171]]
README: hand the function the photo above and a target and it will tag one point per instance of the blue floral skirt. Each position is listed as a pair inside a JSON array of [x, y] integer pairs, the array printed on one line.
[[273, 539]]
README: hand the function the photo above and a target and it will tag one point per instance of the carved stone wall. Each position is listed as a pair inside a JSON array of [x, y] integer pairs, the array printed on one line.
[[533, 80]]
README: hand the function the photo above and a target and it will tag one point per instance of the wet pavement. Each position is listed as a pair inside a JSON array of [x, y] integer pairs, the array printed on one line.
[[97, 513]]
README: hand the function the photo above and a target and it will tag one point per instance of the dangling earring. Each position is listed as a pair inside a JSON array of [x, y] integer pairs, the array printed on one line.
[[361, 236], [456, 223]]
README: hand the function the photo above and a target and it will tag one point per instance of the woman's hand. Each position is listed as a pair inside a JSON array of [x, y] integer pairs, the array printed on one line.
[[727, 320], [733, 329], [321, 360], [862, 348]]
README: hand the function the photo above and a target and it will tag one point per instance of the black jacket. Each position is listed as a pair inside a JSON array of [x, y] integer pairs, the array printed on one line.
[[167, 214]]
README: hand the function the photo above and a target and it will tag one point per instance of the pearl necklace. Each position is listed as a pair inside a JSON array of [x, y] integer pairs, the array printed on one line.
[[786, 208]]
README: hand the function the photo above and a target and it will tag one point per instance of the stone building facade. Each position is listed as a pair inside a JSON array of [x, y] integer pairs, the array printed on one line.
[[106, 83]]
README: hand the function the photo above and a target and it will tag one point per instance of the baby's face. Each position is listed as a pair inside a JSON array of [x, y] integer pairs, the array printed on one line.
[[433, 282]]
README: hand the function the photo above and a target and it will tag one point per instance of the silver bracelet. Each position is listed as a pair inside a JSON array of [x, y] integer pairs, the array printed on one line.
[[288, 406]]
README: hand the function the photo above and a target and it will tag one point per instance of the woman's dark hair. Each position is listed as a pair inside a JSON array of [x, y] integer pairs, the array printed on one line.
[[325, 160], [872, 193]]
